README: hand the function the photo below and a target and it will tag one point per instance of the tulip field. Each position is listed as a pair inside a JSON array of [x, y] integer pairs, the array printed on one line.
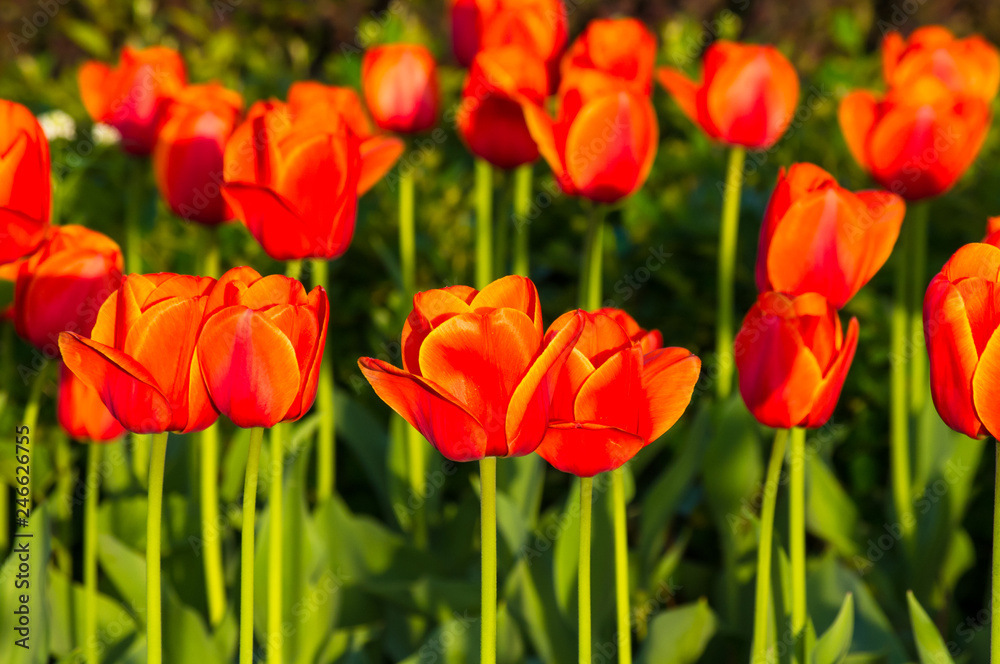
[[499, 331]]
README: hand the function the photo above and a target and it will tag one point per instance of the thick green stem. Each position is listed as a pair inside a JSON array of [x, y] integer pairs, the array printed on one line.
[[140, 457], [215, 585], [488, 491], [326, 451], [797, 528], [407, 233], [593, 254], [210, 258], [622, 605], [522, 232], [763, 590], [90, 533], [293, 269], [30, 424], [484, 223], [995, 587], [899, 429], [918, 222], [276, 508], [246, 547], [154, 517], [135, 202], [583, 594], [727, 271]]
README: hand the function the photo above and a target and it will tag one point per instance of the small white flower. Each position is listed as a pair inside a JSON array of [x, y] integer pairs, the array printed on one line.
[[105, 134], [57, 124]]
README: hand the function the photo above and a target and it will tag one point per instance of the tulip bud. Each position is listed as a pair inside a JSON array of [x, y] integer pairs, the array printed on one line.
[[401, 87], [25, 189], [966, 66], [623, 48]]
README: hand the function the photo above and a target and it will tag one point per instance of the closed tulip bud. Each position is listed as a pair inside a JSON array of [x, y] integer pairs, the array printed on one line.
[[62, 286], [618, 391], [476, 371], [819, 237], [81, 413], [792, 357], [747, 95], [133, 96], [25, 188], [490, 118], [539, 26], [141, 356], [293, 180], [400, 85], [622, 47], [261, 347], [968, 66], [187, 160]]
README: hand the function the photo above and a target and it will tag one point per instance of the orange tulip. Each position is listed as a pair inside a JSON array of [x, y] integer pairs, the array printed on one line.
[[792, 358], [993, 231], [919, 139], [622, 47], [490, 119], [539, 26], [25, 190], [141, 356], [293, 180], [966, 66], [818, 237], [400, 85], [476, 372], [133, 96], [80, 411], [187, 159], [261, 347], [62, 285], [602, 143], [747, 96], [618, 391]]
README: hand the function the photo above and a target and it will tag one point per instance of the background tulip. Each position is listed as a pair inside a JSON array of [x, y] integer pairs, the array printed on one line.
[[539, 26], [819, 237], [25, 190], [133, 96], [400, 86], [968, 66], [792, 358], [81, 413], [622, 47]]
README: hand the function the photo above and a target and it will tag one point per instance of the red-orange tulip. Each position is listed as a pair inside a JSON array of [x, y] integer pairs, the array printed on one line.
[[961, 317], [819, 237], [618, 391], [62, 286], [476, 373], [400, 85], [141, 355], [261, 347], [747, 96], [967, 66], [602, 143], [490, 119], [133, 96], [539, 26], [792, 358], [187, 159], [919, 139], [622, 47], [293, 180], [993, 231], [81, 412], [25, 189]]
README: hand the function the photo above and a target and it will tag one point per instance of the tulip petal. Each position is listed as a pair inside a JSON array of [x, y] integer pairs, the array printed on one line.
[[668, 379], [974, 260], [986, 387], [271, 219], [272, 290], [81, 412], [828, 391], [514, 292], [586, 449], [430, 309], [567, 383], [857, 115], [613, 394], [378, 155], [542, 131], [92, 79], [682, 89]]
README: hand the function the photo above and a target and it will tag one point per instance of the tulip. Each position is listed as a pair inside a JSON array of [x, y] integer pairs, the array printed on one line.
[[818, 237], [966, 66], [400, 86], [539, 26], [133, 96], [81, 412], [25, 190], [62, 285], [747, 96], [187, 159], [293, 180], [623, 47]]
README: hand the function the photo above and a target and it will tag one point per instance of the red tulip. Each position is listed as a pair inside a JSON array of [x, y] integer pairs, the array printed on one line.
[[141, 355], [618, 392], [62, 285], [133, 97], [818, 237], [490, 119], [622, 47], [792, 358], [476, 373], [261, 347], [960, 323], [602, 143], [80, 411], [919, 139], [993, 231], [25, 190], [400, 85], [748, 94], [966, 66], [293, 180], [539, 26], [187, 159]]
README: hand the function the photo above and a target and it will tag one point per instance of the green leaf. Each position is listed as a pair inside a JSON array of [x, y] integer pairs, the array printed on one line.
[[833, 646], [830, 512], [35, 585], [930, 646], [679, 635], [116, 629], [87, 37]]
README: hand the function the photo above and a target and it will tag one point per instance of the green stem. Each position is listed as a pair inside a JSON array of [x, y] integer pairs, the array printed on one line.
[[763, 596], [621, 566], [5, 394], [275, 553], [210, 259], [93, 488], [293, 269], [797, 528], [583, 595], [326, 451], [995, 588], [154, 517], [727, 269], [133, 216], [919, 217], [522, 206], [899, 429], [407, 233], [215, 586], [246, 547], [418, 480], [593, 253], [484, 223], [30, 422], [488, 490]]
